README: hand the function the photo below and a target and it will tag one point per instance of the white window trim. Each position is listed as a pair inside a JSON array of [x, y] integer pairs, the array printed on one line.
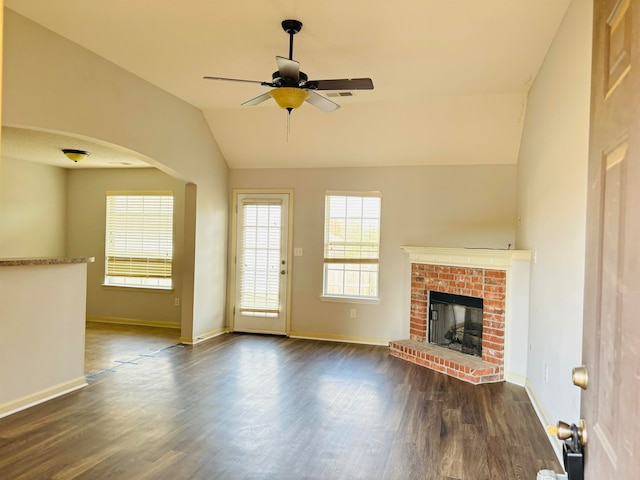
[[345, 299]]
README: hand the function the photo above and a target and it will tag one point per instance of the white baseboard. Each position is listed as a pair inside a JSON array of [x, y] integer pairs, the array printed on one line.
[[50, 393], [516, 379], [204, 336], [329, 337], [544, 420], [133, 321]]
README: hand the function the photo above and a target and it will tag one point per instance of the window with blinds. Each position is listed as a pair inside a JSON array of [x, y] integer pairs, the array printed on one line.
[[351, 244], [260, 258], [139, 240]]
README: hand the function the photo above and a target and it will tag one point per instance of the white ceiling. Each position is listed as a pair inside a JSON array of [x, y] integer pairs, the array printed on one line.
[[450, 76]]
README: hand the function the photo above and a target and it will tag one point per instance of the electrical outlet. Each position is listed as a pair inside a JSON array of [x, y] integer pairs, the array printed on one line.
[[176, 302], [546, 374], [353, 313], [297, 252]]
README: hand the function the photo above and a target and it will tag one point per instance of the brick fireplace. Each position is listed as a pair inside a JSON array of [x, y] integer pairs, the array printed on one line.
[[501, 279]]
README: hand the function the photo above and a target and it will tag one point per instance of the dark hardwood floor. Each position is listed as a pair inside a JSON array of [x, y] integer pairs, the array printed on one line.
[[261, 407], [107, 345]]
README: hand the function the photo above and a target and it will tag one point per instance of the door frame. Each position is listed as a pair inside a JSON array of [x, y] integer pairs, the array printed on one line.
[[231, 295]]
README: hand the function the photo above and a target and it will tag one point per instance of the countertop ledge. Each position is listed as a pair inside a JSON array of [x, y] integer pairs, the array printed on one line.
[[23, 262]]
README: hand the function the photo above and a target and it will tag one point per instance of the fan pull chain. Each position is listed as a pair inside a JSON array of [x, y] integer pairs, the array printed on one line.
[[288, 123]]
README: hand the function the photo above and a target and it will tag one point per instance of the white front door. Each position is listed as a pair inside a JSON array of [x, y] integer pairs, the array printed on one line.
[[261, 263]]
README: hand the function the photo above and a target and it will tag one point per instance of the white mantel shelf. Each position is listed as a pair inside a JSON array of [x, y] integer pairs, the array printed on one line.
[[466, 257]]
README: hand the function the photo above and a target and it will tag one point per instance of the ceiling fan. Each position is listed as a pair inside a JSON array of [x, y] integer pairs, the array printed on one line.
[[291, 87]]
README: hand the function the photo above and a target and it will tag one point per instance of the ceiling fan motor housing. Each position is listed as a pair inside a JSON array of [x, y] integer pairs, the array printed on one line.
[[279, 81]]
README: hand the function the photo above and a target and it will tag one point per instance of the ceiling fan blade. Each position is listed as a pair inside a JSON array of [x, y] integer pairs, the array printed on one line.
[[288, 68], [257, 100], [341, 84], [235, 80], [323, 103]]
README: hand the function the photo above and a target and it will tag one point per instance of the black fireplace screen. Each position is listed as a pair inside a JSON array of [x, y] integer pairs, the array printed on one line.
[[455, 321]]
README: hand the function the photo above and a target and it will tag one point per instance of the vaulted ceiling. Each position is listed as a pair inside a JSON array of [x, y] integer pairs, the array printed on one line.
[[450, 76]]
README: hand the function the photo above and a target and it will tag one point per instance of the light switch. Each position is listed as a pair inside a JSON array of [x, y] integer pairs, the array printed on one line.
[[297, 252]]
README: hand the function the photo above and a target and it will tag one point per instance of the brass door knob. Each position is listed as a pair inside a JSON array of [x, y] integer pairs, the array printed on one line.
[[582, 432], [564, 431], [580, 377]]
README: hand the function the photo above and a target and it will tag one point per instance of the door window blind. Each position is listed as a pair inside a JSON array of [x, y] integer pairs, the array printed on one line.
[[260, 258]]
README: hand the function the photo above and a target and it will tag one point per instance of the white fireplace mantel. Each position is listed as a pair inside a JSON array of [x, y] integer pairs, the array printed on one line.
[[466, 257]]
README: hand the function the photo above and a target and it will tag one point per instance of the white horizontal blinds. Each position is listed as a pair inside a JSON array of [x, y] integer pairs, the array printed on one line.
[[139, 238], [352, 244], [260, 257], [352, 229]]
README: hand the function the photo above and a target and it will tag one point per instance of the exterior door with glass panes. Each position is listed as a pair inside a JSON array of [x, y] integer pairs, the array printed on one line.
[[261, 263]]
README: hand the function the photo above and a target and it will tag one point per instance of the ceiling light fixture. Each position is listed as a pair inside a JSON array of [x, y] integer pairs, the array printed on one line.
[[75, 155], [289, 97]]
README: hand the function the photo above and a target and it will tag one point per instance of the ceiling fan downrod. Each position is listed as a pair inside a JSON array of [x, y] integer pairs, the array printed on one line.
[[291, 27]]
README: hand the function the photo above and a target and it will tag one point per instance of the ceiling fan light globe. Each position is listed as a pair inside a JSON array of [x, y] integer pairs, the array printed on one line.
[[289, 97]]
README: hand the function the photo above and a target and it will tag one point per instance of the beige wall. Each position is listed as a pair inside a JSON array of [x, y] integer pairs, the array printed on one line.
[[40, 359], [51, 211], [457, 206], [106, 103], [552, 182], [33, 220], [1, 50], [86, 233]]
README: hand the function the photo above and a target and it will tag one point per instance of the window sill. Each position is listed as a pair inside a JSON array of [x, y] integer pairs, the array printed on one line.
[[130, 288], [364, 300]]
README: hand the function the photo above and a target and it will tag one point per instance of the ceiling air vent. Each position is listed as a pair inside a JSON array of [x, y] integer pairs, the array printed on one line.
[[340, 94]]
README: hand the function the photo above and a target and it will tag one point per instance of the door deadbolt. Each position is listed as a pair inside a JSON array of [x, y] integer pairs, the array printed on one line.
[[580, 377]]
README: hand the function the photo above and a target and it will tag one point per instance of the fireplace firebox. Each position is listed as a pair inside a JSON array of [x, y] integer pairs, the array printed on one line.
[[455, 322]]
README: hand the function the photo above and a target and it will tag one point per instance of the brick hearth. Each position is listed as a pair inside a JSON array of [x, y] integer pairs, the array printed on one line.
[[464, 367], [486, 283]]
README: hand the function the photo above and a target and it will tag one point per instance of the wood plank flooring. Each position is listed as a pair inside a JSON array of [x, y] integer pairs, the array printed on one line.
[[109, 344], [261, 407]]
